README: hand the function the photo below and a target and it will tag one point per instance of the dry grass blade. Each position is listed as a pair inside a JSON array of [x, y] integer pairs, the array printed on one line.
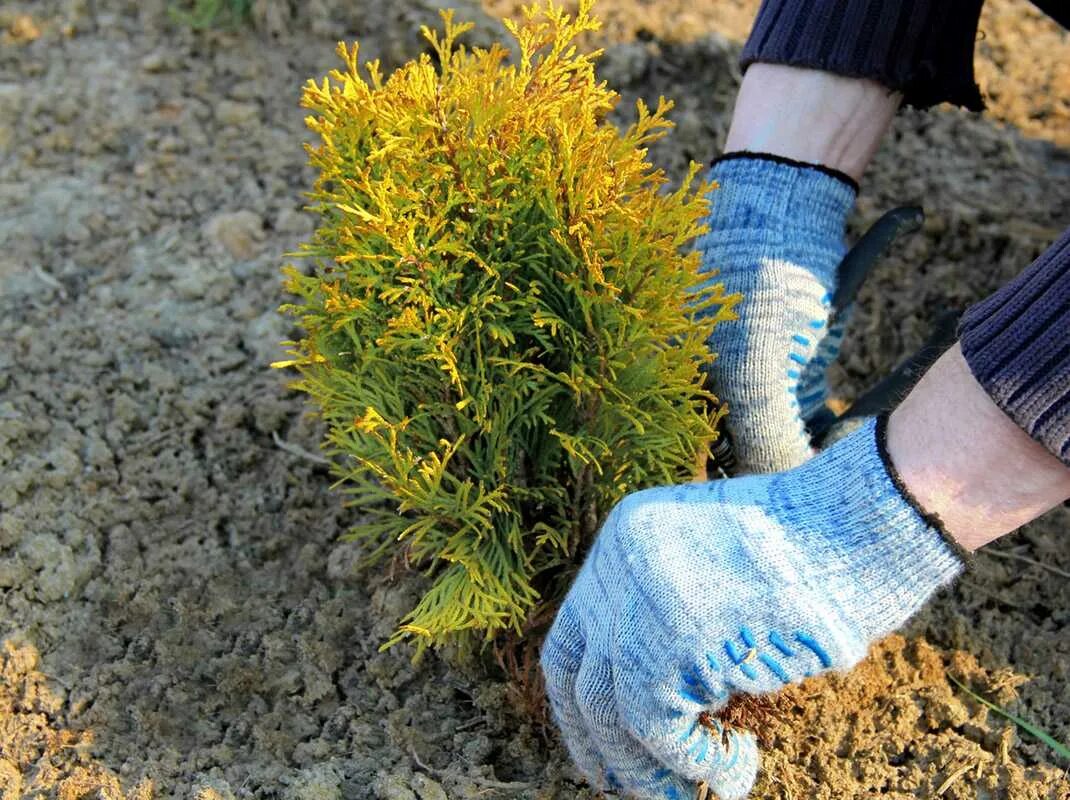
[[50, 279], [954, 776], [300, 452], [1026, 560]]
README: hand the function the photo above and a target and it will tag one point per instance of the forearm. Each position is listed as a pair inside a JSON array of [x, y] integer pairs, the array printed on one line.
[[811, 116], [966, 461], [824, 79], [923, 48]]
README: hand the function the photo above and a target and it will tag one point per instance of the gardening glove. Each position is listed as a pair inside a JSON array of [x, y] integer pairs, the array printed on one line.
[[776, 236], [695, 592]]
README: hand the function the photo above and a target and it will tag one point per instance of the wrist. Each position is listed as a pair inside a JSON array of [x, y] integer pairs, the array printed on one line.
[[965, 461], [881, 551], [811, 116]]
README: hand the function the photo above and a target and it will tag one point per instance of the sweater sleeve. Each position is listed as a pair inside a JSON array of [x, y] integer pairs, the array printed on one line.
[[923, 48], [1017, 344]]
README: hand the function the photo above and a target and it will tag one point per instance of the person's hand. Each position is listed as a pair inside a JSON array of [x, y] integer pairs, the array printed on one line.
[[776, 237], [693, 593]]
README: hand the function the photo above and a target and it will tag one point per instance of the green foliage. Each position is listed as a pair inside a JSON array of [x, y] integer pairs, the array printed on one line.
[[207, 13], [500, 322]]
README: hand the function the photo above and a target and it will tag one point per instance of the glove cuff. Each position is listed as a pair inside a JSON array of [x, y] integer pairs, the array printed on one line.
[[882, 554], [752, 155], [769, 207]]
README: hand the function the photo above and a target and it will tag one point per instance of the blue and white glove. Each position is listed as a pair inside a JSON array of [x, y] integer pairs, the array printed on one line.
[[696, 592], [776, 236]]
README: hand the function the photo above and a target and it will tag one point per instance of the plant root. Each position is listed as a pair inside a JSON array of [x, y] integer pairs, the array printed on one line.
[[754, 713]]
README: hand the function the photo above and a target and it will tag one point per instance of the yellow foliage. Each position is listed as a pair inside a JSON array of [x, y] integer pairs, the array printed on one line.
[[504, 330]]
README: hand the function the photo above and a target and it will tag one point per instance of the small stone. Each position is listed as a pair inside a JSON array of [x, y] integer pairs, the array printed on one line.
[[171, 144], [54, 562], [393, 787], [263, 336], [240, 233], [476, 749], [245, 91], [127, 410], [66, 109], [12, 529], [56, 210], [10, 780], [320, 782], [216, 789], [230, 112], [269, 413], [160, 378], [12, 96], [12, 573], [427, 789], [97, 452], [64, 463], [343, 562], [158, 61], [23, 29], [294, 222], [194, 282]]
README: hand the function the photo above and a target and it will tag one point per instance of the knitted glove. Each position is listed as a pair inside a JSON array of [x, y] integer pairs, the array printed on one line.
[[692, 593], [776, 236]]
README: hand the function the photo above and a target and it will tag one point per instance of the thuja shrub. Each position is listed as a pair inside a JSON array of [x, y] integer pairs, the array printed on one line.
[[501, 324]]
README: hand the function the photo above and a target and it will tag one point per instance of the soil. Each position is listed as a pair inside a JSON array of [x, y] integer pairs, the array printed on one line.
[[178, 616]]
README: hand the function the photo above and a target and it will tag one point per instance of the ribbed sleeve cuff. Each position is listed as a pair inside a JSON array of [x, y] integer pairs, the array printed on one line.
[[923, 48], [1017, 344]]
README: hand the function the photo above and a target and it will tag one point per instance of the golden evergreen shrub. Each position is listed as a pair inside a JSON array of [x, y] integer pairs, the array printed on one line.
[[500, 324]]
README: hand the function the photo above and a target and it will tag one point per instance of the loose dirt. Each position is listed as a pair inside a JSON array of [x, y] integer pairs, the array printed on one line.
[[178, 617]]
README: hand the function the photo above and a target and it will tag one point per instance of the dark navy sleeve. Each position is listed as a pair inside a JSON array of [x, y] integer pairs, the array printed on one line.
[[1017, 343], [923, 48]]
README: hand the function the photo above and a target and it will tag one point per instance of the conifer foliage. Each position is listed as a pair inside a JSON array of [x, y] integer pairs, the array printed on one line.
[[499, 314]]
